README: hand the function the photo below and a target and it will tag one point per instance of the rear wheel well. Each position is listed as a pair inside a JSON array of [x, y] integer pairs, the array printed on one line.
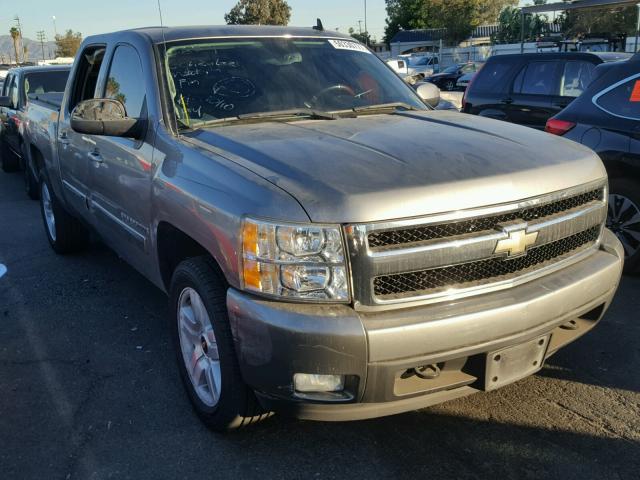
[[175, 246]]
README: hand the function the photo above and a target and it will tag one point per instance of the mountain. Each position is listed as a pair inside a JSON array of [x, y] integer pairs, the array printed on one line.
[[33, 46]]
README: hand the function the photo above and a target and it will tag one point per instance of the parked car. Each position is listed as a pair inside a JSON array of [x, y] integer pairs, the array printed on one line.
[[448, 78], [606, 118], [414, 68], [22, 86], [304, 210], [531, 88], [464, 81]]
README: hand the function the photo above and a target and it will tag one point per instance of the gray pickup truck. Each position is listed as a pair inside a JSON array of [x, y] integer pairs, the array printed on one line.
[[332, 247]]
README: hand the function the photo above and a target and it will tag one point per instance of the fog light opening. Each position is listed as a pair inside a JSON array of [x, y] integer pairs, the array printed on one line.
[[314, 383]]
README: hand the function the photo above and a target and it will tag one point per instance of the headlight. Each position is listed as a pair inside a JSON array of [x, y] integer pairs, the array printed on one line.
[[304, 262]]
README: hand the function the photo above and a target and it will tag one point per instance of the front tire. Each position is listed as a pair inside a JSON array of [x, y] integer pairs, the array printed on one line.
[[65, 233], [624, 219], [205, 349]]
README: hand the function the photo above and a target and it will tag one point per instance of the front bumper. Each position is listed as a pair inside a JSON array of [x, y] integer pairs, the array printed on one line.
[[377, 351]]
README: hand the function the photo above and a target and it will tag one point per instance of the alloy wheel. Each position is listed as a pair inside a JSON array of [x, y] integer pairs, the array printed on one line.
[[199, 347], [47, 208], [624, 221]]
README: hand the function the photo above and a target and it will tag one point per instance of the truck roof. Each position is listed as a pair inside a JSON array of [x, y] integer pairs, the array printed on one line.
[[155, 34]]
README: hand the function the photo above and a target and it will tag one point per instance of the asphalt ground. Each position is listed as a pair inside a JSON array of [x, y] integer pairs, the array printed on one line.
[[89, 389]]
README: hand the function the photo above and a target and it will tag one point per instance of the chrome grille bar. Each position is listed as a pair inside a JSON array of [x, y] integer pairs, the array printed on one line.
[[567, 214]]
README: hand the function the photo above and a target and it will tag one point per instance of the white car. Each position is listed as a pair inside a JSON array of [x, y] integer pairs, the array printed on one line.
[[465, 80], [414, 68]]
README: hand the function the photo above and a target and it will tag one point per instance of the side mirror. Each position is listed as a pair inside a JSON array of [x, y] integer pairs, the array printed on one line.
[[429, 93], [105, 116], [5, 102]]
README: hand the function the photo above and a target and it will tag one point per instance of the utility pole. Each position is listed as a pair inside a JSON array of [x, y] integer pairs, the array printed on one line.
[[360, 26], [55, 29], [41, 38], [366, 30]]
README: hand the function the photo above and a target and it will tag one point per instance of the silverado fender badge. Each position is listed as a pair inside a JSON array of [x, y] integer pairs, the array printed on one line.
[[518, 241]]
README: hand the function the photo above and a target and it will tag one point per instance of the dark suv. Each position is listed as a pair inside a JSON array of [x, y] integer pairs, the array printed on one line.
[[528, 89], [606, 118]]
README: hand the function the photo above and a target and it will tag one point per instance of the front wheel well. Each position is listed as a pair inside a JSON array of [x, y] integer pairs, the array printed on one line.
[[38, 160], [174, 247]]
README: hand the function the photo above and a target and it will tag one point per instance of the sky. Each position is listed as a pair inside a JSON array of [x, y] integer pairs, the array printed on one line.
[[91, 17]]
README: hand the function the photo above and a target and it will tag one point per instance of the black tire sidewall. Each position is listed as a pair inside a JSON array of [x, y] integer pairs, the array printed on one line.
[[630, 189], [232, 386]]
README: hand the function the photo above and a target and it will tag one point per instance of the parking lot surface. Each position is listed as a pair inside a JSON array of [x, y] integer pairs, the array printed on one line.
[[90, 389]]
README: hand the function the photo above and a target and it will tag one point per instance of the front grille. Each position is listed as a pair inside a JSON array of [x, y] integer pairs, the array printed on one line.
[[482, 272], [424, 233]]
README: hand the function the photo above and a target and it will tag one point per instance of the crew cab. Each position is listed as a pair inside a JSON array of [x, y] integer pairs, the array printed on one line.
[[22, 86], [331, 246]]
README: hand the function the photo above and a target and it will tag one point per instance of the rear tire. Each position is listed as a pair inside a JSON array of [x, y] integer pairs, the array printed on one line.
[[10, 162], [205, 349], [30, 182], [65, 233], [624, 219]]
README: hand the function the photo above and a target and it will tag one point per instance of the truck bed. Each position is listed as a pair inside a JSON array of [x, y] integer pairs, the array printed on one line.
[[51, 99]]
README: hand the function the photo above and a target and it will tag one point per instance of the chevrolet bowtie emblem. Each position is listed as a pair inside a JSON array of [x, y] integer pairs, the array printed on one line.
[[517, 243]]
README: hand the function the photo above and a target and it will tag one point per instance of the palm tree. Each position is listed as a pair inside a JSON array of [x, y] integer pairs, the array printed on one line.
[[15, 35]]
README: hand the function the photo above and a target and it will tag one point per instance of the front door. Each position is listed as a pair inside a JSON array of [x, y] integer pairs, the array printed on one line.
[[121, 168]]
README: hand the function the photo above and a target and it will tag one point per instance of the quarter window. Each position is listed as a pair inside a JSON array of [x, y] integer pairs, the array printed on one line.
[[576, 78], [623, 100], [126, 82]]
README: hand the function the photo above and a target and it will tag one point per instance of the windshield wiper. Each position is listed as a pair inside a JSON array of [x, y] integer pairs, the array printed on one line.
[[297, 113], [381, 108]]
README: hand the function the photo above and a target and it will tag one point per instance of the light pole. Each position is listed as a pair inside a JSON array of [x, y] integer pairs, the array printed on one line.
[[55, 29]]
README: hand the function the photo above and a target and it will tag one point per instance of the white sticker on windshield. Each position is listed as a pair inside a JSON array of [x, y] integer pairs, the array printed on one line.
[[347, 45]]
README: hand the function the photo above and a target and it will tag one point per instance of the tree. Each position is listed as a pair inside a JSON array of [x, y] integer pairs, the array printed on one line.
[[15, 36], [362, 37], [510, 25], [259, 12], [458, 17], [68, 44]]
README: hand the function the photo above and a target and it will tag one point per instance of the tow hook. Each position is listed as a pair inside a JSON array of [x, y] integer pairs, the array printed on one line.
[[428, 372]]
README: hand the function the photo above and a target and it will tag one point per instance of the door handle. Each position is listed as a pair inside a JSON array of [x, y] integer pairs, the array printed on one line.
[[95, 157], [63, 138], [507, 101]]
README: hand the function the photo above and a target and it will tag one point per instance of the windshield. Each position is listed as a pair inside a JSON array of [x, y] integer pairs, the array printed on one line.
[[209, 80], [45, 82], [452, 69]]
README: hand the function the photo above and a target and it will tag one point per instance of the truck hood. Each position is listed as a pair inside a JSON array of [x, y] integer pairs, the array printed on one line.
[[384, 167]]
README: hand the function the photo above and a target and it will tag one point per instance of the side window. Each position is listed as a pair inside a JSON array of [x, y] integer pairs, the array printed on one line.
[[13, 93], [6, 84], [537, 78], [86, 76], [576, 78], [622, 100], [492, 78], [126, 82]]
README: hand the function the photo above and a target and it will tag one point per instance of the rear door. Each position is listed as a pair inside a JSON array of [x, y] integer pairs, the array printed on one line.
[[121, 168], [74, 149], [575, 77], [532, 94]]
